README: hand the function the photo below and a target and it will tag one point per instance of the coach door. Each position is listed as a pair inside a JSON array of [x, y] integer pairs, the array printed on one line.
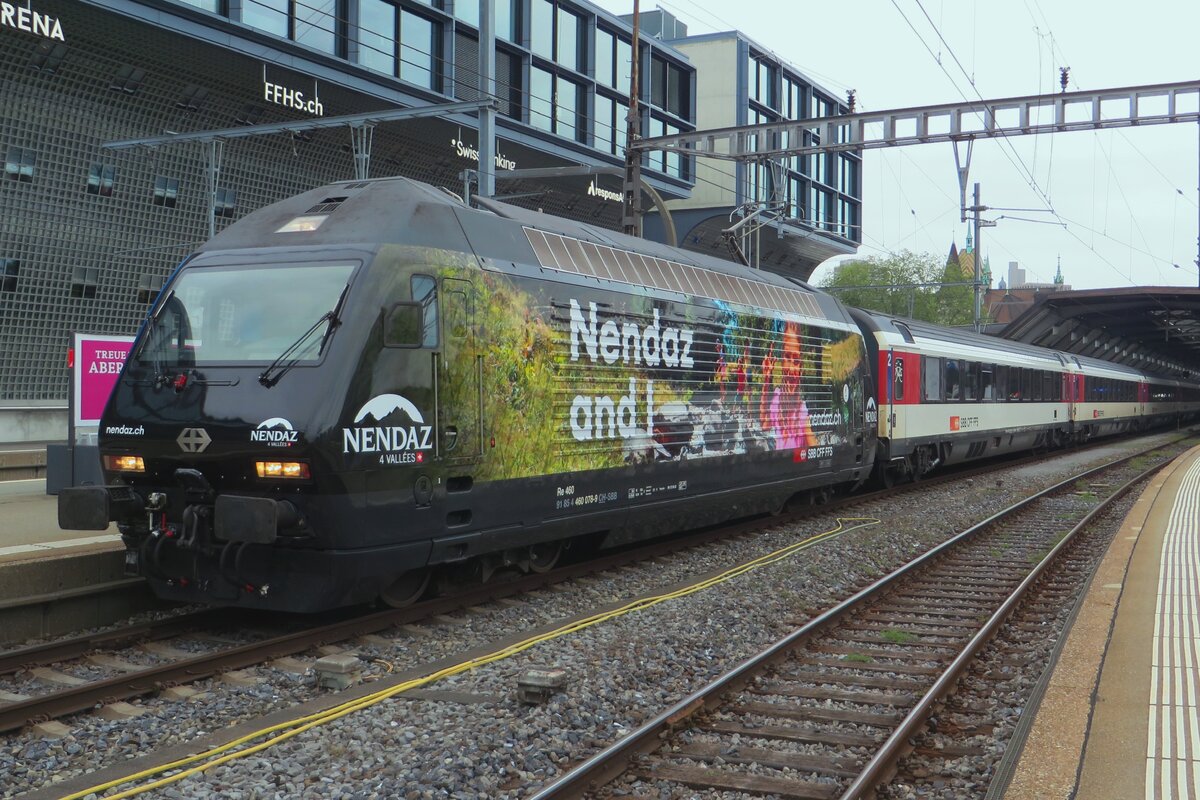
[[460, 401]]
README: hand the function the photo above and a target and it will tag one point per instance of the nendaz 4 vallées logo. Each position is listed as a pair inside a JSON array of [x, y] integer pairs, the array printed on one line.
[[274, 432], [395, 444]]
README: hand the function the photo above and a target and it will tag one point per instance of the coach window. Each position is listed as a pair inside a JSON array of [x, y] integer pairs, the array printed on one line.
[[971, 383], [1000, 378], [987, 387], [898, 379], [953, 380], [931, 379], [1048, 382]]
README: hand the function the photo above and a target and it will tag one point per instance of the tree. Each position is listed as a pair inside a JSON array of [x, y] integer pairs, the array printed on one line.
[[905, 284]]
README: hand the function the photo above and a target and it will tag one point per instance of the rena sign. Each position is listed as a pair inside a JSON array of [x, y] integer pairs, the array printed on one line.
[[30, 21], [98, 362]]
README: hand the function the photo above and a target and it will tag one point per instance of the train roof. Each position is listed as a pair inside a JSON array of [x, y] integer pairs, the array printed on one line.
[[404, 211], [951, 340]]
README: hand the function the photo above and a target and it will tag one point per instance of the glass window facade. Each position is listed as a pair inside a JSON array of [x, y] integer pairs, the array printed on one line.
[[822, 190], [377, 35], [315, 24], [267, 15], [20, 164], [101, 179], [419, 46], [9, 269], [166, 191]]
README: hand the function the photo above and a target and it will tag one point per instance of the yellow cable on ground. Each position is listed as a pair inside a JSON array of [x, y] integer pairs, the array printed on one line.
[[301, 724]]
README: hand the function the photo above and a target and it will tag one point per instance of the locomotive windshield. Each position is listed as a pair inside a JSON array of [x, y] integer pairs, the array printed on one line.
[[242, 315]]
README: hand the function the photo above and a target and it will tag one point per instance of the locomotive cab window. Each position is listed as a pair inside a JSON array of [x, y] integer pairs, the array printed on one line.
[[245, 315]]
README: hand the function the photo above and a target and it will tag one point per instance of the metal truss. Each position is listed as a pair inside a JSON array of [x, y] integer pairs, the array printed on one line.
[[950, 122]]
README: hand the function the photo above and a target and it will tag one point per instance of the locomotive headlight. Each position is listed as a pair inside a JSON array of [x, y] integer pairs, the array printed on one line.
[[297, 470], [124, 464]]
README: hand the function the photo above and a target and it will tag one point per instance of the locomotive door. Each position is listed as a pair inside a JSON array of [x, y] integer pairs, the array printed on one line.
[[460, 399]]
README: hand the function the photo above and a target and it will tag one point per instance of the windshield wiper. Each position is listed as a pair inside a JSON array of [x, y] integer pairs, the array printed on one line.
[[269, 380]]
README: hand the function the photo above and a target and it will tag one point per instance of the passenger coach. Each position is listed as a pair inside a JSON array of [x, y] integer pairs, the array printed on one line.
[[948, 395]]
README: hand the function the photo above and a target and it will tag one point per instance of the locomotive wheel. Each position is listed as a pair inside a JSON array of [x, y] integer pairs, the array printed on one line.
[[543, 557], [407, 589], [888, 477]]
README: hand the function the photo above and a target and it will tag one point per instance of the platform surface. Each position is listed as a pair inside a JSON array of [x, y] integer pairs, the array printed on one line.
[[1119, 717], [29, 525]]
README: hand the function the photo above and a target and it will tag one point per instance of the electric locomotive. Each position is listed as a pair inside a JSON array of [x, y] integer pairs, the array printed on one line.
[[345, 390]]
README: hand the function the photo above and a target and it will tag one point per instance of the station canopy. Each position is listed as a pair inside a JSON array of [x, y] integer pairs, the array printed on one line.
[[1155, 328]]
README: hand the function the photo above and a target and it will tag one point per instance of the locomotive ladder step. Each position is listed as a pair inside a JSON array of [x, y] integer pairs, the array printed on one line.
[[785, 733], [816, 693], [802, 713], [732, 782], [741, 754]]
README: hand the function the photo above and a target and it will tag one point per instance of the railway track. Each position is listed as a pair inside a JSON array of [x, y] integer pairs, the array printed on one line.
[[140, 659], [828, 711]]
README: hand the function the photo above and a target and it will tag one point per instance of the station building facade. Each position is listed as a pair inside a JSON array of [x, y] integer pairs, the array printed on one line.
[[89, 234], [809, 206]]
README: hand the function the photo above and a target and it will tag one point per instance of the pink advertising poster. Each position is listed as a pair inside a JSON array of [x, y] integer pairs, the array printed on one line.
[[98, 362]]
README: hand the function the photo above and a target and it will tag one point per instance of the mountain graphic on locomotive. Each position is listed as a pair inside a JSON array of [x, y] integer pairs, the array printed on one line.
[[347, 390]]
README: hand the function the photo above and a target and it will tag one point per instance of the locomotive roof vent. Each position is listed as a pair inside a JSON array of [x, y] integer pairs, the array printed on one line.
[[327, 206]]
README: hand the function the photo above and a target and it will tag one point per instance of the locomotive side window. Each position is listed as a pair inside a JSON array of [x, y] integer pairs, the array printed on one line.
[[424, 290], [931, 379], [414, 324], [953, 382]]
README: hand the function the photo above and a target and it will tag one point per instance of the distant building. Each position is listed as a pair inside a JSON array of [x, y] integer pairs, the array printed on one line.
[[815, 199], [965, 262], [1010, 301]]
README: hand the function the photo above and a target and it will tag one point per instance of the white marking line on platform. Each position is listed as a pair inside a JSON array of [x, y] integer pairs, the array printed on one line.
[[45, 547], [1173, 741]]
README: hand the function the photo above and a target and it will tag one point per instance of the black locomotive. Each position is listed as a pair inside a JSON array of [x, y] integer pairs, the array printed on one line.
[[352, 387]]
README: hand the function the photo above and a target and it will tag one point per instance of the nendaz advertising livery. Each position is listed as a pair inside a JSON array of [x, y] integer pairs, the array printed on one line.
[[429, 387]]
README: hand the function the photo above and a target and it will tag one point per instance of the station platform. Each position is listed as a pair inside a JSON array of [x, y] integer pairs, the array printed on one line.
[[29, 525], [1119, 717]]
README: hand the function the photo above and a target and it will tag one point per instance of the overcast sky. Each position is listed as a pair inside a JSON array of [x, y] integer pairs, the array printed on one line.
[[1128, 196]]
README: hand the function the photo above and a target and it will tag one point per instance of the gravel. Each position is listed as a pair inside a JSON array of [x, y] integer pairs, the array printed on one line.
[[620, 672]]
